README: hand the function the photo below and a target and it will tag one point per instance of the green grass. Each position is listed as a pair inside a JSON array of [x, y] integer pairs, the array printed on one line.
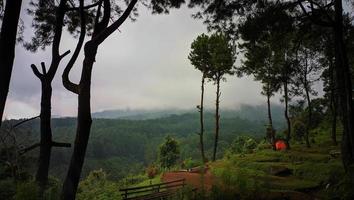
[[155, 180], [312, 169]]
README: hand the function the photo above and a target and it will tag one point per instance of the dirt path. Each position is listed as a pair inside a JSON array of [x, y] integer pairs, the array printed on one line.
[[194, 179]]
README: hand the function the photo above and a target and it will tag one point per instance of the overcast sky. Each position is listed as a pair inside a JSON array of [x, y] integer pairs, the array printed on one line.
[[145, 65]]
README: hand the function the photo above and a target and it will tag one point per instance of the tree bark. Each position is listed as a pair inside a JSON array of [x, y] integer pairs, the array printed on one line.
[[7, 48], [84, 120], [308, 99], [309, 122], [333, 106], [286, 99], [270, 121], [344, 84], [201, 112], [83, 127], [217, 116], [46, 135]]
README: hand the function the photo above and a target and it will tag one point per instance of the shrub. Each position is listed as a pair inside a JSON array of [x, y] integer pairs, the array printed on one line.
[[243, 144], [27, 191], [152, 171]]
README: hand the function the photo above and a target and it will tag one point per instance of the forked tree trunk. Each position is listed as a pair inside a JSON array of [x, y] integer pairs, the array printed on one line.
[[7, 48], [344, 84], [46, 78], [217, 117], [201, 112], [84, 120]]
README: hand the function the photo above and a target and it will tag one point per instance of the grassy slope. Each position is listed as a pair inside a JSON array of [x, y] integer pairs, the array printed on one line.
[[313, 169]]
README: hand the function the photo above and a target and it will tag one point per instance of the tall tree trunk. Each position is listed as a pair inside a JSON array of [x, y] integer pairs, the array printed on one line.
[[343, 74], [270, 121], [201, 110], [7, 48], [309, 120], [286, 100], [217, 117], [333, 105], [334, 122], [46, 135], [84, 120], [308, 99]]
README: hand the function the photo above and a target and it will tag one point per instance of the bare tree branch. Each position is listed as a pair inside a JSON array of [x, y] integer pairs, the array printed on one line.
[[64, 54], [27, 149], [109, 30], [36, 72], [24, 121], [61, 144], [69, 85], [85, 7], [44, 71], [315, 20]]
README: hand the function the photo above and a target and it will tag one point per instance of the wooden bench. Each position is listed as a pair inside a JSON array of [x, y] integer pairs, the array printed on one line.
[[155, 191]]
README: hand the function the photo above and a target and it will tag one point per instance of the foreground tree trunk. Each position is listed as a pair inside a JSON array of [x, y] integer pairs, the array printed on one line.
[[333, 106], [286, 114], [344, 84], [217, 117], [7, 48], [201, 112], [46, 78], [83, 89]]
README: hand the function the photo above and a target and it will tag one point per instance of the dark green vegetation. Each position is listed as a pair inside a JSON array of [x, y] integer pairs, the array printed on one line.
[[124, 148]]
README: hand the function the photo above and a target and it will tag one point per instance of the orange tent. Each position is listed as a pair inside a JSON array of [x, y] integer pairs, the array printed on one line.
[[280, 145]]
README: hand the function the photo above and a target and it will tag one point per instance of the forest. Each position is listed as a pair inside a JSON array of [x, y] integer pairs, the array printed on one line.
[[297, 144]]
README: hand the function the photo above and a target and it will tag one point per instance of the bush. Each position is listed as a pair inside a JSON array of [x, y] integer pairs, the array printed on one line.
[[243, 144], [152, 171], [96, 186], [27, 191], [190, 163]]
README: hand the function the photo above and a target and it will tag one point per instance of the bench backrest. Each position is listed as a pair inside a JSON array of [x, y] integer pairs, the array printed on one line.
[[127, 193]]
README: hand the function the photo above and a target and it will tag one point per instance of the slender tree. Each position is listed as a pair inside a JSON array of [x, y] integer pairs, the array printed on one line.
[[222, 61], [200, 59], [306, 74], [7, 48]]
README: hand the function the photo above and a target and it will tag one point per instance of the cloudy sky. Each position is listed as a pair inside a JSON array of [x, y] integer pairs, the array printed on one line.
[[145, 65]]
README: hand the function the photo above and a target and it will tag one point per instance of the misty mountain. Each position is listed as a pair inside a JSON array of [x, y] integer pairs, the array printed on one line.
[[249, 112]]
